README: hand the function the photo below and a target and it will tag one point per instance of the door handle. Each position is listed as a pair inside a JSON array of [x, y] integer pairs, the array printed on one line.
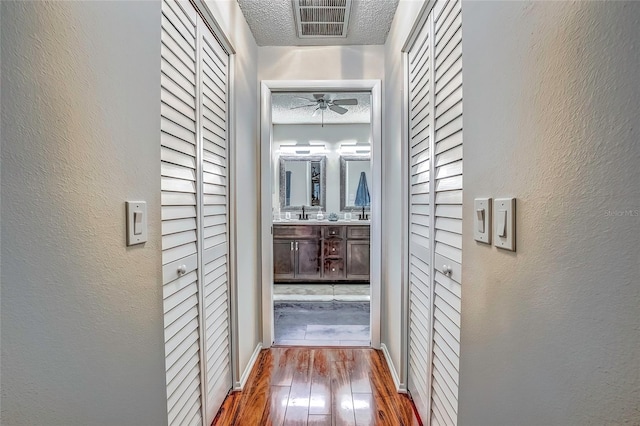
[[291, 245], [296, 246]]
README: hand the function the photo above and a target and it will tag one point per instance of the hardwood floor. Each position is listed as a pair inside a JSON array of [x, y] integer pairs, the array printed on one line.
[[318, 386]]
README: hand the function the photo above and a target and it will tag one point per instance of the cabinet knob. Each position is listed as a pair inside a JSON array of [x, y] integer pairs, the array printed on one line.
[[447, 270], [333, 269], [333, 232], [182, 269], [333, 249]]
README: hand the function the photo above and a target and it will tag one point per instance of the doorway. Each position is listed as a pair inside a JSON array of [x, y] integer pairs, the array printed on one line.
[[320, 213]]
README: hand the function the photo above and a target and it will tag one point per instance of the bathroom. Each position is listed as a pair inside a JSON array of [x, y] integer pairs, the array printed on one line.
[[321, 198]]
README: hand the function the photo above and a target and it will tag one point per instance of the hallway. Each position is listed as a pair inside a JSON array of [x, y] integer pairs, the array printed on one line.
[[318, 386]]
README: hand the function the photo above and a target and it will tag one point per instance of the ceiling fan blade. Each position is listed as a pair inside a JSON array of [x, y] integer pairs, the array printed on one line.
[[302, 106], [305, 99], [318, 95], [345, 102], [338, 109], [316, 112]]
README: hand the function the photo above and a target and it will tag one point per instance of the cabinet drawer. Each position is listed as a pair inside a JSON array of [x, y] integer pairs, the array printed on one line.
[[358, 232], [333, 231], [333, 248], [334, 269], [296, 231]]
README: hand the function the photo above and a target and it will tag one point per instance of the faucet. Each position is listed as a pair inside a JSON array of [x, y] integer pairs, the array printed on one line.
[[363, 216], [303, 216]]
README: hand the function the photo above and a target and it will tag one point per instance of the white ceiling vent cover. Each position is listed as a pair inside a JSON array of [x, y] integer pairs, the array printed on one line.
[[322, 18]]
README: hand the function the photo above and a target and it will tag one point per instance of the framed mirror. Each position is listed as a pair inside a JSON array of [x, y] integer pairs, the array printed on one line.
[[302, 182], [355, 174]]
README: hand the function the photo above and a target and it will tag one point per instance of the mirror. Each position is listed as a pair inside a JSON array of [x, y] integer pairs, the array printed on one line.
[[302, 182], [355, 176]]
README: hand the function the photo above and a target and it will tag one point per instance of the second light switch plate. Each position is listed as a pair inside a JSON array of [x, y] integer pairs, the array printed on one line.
[[504, 223]]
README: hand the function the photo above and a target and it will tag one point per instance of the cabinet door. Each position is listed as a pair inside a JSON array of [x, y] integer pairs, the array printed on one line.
[[283, 259], [358, 260], [308, 259]]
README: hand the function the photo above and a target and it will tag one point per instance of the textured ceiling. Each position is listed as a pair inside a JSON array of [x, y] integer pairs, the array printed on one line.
[[273, 24], [283, 114]]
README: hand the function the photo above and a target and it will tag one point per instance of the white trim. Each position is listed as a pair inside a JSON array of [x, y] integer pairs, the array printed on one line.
[[239, 385], [400, 387], [208, 16], [266, 238], [420, 21], [233, 227], [405, 212]]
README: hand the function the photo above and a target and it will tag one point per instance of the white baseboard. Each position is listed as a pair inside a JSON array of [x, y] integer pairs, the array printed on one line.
[[400, 387], [238, 386]]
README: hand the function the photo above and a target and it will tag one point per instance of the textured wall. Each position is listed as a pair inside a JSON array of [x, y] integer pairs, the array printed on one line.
[[246, 106], [551, 333], [82, 327], [392, 294], [321, 63]]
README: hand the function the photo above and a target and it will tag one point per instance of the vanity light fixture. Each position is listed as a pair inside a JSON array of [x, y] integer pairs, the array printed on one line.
[[303, 149], [355, 149]]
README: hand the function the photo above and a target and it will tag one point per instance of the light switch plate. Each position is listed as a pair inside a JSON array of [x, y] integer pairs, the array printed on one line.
[[504, 222], [482, 220], [136, 232]]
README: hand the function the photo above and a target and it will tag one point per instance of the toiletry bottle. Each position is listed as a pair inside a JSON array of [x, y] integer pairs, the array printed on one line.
[[320, 215]]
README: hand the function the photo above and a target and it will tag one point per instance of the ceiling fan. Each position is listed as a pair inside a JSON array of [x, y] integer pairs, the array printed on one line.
[[322, 103]]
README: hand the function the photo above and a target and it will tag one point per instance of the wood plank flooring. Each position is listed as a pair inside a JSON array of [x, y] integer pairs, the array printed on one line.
[[318, 386]]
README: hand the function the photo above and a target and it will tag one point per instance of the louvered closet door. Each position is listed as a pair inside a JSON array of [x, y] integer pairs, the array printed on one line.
[[194, 215], [213, 113], [420, 128], [448, 212], [179, 213], [435, 250]]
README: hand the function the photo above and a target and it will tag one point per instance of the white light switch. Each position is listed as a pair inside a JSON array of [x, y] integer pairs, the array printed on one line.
[[482, 220], [504, 224], [136, 222]]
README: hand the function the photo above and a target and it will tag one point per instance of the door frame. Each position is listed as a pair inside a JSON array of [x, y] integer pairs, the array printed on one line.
[[267, 88]]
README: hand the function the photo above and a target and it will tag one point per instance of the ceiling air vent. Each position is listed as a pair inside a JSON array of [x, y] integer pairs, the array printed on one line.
[[322, 18]]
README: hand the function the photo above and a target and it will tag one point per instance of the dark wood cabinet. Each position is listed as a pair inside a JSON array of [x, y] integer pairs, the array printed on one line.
[[296, 253], [321, 253]]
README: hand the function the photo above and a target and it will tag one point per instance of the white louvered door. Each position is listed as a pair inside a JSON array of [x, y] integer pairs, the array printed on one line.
[[442, 258], [420, 128], [213, 113], [448, 212], [194, 216]]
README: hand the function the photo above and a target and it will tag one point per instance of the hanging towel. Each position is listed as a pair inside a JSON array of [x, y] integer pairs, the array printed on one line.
[[287, 197], [362, 194]]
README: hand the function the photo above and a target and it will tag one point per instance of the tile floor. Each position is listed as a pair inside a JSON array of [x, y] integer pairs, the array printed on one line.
[[334, 323]]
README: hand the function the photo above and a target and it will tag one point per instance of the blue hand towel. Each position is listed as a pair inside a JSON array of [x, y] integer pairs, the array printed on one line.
[[362, 194]]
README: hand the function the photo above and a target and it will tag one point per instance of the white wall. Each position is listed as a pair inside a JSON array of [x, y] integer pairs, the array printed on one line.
[[392, 295], [550, 334], [332, 135], [246, 110], [320, 62], [82, 324]]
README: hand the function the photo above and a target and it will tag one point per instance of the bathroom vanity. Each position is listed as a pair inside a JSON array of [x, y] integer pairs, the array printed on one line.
[[321, 251]]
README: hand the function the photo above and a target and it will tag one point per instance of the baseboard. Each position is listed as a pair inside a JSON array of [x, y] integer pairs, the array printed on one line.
[[400, 387], [238, 386]]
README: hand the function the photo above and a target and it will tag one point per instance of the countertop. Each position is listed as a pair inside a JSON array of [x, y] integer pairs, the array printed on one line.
[[322, 222]]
